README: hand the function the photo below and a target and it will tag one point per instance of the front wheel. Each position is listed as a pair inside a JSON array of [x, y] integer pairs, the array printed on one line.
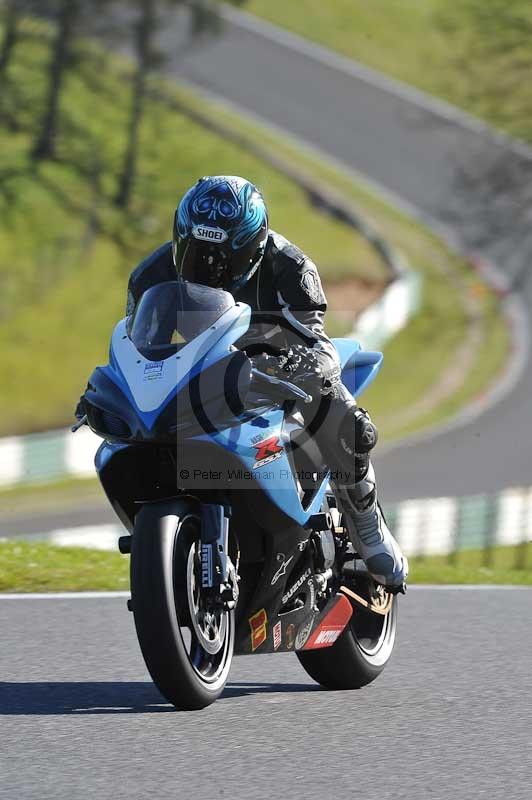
[[360, 653], [187, 645]]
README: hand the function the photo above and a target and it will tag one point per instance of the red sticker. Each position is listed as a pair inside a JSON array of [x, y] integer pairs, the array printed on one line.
[[276, 635], [259, 633], [267, 450], [332, 625]]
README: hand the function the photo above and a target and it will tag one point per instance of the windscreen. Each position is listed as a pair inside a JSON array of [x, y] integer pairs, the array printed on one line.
[[173, 313]]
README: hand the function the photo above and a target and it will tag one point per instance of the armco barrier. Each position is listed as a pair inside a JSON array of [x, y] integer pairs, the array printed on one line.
[[441, 526], [447, 525]]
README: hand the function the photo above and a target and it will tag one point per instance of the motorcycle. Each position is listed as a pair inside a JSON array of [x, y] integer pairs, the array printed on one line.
[[236, 543]]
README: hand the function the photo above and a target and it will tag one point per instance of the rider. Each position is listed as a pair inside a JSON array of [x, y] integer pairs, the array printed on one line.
[[221, 239]]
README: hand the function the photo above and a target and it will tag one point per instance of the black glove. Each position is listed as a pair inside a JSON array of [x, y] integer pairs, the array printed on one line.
[[299, 364]]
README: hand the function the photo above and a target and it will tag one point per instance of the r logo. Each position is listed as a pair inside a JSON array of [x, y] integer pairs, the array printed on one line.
[[267, 450]]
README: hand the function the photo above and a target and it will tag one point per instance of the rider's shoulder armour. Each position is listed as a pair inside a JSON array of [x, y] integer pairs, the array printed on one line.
[[295, 276]]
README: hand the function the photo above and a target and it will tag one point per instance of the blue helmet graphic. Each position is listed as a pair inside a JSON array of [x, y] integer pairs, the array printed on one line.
[[220, 232]]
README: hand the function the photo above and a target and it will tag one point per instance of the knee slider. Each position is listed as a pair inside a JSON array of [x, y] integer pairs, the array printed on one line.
[[358, 435], [366, 434]]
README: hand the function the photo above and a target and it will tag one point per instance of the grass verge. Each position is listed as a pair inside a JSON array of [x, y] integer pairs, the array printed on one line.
[[499, 565], [50, 496], [41, 567]]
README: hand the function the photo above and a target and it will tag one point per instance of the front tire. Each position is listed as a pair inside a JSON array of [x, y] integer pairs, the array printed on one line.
[[187, 648], [358, 656]]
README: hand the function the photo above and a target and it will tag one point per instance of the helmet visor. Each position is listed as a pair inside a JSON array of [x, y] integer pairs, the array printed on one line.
[[213, 265]]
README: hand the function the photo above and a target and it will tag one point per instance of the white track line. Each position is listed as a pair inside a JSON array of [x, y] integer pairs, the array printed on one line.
[[393, 86], [461, 587], [64, 595]]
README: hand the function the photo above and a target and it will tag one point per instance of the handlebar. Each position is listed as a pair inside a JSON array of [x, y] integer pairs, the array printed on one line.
[[290, 389]]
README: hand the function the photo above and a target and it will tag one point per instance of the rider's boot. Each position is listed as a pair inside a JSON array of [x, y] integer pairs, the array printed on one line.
[[369, 532]]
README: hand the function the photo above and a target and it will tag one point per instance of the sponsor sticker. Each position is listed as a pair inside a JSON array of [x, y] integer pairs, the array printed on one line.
[[206, 565], [207, 234], [331, 626], [276, 635], [328, 635], [153, 371], [290, 635], [282, 569], [303, 633], [293, 589], [258, 624]]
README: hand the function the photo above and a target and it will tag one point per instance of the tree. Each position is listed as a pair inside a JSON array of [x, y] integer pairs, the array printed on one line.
[[68, 14], [72, 18], [204, 19], [14, 11], [146, 54]]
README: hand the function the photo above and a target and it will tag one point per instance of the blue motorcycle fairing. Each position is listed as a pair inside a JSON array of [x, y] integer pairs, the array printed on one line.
[[273, 473], [262, 449], [346, 348], [359, 367], [150, 385]]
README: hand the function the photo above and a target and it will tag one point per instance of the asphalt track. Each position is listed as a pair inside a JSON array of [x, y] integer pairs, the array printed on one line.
[[449, 718], [412, 152]]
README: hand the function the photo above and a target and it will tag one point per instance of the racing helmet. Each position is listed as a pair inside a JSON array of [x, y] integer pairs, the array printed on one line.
[[220, 232]]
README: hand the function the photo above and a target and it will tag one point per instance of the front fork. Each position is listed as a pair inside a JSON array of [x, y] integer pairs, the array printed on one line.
[[218, 575]]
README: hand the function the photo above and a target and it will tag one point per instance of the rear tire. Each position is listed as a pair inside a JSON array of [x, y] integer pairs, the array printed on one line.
[[358, 656], [187, 650]]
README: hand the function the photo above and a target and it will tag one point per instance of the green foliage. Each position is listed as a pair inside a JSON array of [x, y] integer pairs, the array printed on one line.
[[492, 48], [66, 251]]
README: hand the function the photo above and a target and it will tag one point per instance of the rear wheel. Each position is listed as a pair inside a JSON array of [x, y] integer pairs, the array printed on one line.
[[187, 644], [361, 652]]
